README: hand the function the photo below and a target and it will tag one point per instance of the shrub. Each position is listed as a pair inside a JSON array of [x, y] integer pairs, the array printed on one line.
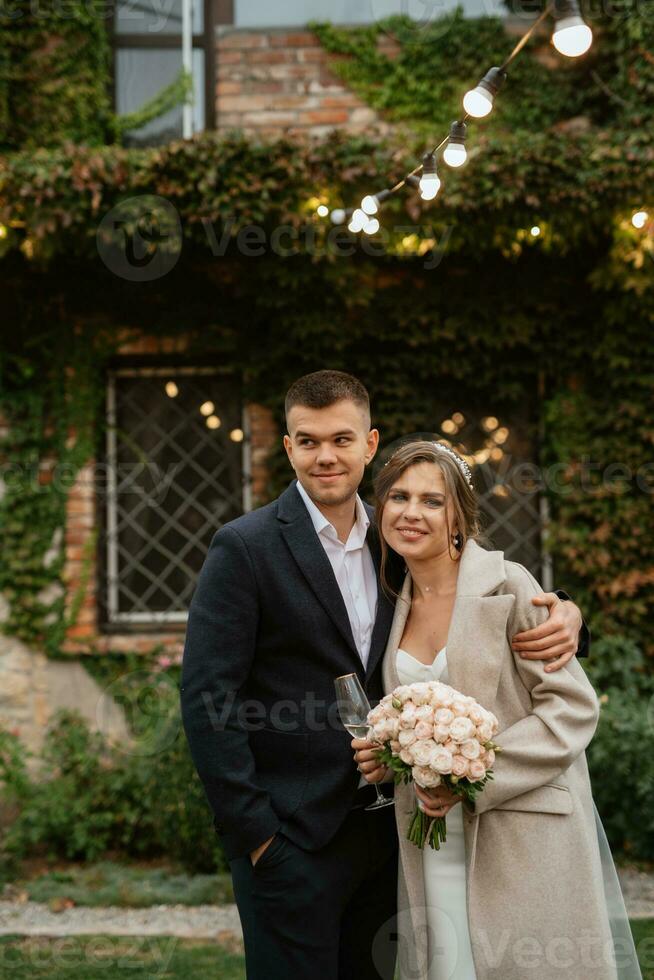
[[621, 765], [92, 798]]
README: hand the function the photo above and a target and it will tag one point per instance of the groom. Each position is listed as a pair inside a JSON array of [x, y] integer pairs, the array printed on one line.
[[287, 600]]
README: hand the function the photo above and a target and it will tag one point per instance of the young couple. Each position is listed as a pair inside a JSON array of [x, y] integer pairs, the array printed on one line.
[[304, 590]]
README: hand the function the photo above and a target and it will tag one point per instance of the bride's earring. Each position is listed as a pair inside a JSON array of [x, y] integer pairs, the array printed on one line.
[[457, 540]]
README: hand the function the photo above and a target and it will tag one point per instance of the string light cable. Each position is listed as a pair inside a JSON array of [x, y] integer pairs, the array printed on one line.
[[571, 37]]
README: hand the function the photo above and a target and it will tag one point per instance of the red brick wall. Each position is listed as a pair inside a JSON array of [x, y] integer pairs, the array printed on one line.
[[272, 82]]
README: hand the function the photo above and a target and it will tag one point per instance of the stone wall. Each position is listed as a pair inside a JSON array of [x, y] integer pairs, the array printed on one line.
[[33, 688]]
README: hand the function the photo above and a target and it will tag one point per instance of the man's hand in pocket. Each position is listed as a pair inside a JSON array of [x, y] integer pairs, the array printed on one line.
[[256, 854]]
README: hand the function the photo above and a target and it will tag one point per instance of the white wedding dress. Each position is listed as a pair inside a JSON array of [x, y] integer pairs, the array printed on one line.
[[450, 954]]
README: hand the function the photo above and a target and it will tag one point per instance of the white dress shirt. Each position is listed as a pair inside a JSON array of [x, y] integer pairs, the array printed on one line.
[[354, 570]]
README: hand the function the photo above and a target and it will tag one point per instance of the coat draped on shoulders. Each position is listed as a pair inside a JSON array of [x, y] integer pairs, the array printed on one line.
[[535, 892]]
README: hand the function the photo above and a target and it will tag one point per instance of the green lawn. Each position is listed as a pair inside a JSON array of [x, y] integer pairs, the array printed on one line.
[[643, 931], [117, 958]]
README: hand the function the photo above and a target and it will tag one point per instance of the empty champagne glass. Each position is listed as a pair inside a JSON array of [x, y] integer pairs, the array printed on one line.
[[353, 708]]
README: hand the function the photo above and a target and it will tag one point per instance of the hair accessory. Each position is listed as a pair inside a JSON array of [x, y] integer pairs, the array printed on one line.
[[461, 463]]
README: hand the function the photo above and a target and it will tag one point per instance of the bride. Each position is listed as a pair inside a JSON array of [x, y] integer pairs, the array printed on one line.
[[525, 885]]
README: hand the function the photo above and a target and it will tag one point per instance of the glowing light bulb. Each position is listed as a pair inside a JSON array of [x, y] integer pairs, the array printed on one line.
[[358, 220], [338, 216], [478, 102], [213, 422], [572, 37], [535, 231], [429, 187], [369, 204], [639, 219], [371, 226], [429, 182], [171, 389], [236, 435], [207, 408], [322, 210], [455, 154]]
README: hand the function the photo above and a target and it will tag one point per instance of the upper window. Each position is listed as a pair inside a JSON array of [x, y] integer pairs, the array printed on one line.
[[148, 57], [176, 465]]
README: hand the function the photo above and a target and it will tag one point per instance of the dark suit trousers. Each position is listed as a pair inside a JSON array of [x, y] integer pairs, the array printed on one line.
[[327, 914]]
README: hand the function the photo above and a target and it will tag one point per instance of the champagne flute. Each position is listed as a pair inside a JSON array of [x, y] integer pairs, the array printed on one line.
[[353, 708]]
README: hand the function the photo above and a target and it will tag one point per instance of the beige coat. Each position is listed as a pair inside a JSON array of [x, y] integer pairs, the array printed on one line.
[[534, 883]]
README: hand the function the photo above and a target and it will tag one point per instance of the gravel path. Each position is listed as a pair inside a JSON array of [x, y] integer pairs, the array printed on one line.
[[215, 922], [187, 922]]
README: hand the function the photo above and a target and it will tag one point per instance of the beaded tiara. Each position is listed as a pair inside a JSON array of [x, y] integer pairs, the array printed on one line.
[[461, 463]]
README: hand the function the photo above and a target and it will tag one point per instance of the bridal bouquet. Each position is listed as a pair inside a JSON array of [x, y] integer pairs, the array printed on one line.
[[434, 735]]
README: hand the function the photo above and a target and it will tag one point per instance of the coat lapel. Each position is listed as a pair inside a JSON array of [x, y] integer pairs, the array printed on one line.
[[477, 635], [309, 554]]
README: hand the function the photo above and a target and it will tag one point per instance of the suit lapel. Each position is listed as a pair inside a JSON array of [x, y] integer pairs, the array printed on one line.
[[304, 544], [385, 607]]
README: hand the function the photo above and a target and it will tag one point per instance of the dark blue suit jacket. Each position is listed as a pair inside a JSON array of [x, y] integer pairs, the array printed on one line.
[[267, 634]]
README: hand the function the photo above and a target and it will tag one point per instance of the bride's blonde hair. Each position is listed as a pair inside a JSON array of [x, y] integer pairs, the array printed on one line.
[[457, 489]]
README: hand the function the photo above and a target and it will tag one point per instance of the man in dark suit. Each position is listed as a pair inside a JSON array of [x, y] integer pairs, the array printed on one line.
[[288, 599]]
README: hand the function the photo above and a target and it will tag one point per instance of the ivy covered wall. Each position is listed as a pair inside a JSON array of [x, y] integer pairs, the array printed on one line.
[[492, 316]]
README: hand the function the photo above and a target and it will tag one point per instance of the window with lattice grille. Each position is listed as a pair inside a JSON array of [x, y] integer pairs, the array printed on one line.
[[176, 471]]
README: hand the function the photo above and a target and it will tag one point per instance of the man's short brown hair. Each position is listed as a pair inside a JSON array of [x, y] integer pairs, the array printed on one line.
[[323, 388]]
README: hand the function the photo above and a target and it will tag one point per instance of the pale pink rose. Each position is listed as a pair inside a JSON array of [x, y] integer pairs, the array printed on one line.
[[424, 751], [485, 731], [424, 729], [383, 731], [462, 729], [442, 760], [471, 749], [476, 714], [477, 769], [375, 715], [488, 758], [395, 747], [442, 696], [426, 777], [443, 716], [441, 733], [408, 716], [406, 737], [406, 755], [401, 693], [451, 746], [425, 713], [388, 711], [421, 693], [459, 707], [459, 766]]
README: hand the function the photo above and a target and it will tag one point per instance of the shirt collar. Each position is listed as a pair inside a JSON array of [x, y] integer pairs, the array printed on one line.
[[321, 524]]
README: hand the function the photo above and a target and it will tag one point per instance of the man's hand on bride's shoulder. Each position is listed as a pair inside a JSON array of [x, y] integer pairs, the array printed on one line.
[[555, 640], [365, 756]]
